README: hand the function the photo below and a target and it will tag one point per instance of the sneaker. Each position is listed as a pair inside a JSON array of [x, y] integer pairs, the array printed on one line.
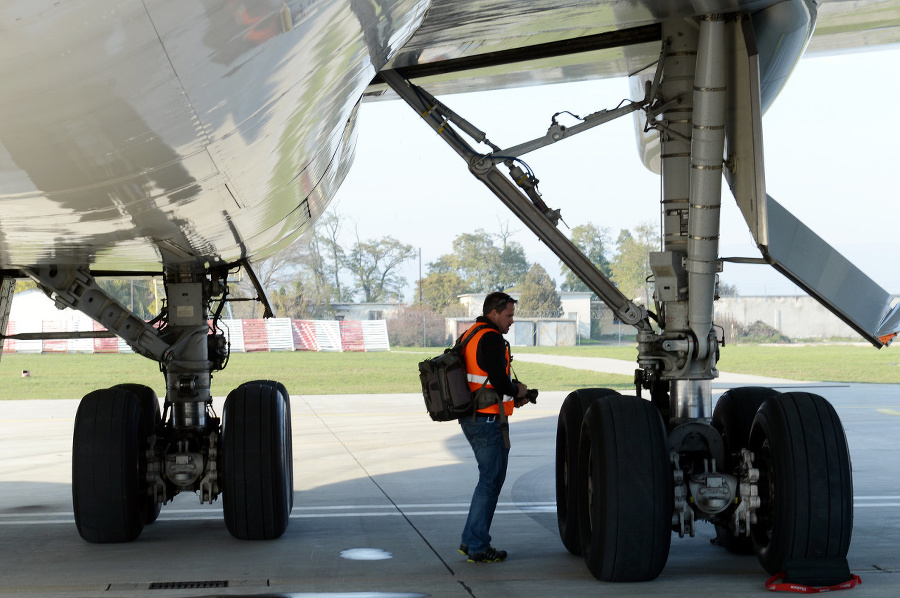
[[463, 549], [491, 555]]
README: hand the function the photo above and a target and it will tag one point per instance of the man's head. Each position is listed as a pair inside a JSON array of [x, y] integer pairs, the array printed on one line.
[[499, 308]]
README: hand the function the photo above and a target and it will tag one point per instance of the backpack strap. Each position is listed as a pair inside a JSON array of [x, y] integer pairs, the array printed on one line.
[[460, 343], [459, 346], [504, 421]]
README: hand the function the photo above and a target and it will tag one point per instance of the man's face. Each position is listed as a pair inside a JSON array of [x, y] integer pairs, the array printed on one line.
[[503, 319]]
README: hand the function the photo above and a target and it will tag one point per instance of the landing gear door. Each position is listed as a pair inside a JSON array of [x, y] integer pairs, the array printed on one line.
[[744, 166]]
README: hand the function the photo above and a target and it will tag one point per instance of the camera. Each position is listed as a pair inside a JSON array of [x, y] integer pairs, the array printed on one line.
[[531, 395]]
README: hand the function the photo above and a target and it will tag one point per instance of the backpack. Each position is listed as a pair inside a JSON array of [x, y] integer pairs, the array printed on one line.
[[445, 385]]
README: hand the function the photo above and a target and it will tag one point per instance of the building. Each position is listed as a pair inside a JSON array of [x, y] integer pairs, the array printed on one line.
[[528, 332], [364, 311]]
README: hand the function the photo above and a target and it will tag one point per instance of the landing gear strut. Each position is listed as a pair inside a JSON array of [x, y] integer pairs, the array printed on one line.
[[128, 460]]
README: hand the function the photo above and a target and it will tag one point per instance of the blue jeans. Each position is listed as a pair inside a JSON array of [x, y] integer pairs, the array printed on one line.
[[492, 456]]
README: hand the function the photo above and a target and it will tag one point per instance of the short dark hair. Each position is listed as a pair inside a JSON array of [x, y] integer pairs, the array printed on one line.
[[496, 301]]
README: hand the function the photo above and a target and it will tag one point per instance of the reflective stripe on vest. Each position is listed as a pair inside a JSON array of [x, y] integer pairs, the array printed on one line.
[[477, 377]]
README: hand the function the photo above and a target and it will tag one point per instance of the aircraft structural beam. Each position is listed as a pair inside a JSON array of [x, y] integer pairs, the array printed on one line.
[[76, 288], [529, 208]]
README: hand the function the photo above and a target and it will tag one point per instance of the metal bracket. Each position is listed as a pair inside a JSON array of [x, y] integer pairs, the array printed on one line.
[[261, 296], [749, 502]]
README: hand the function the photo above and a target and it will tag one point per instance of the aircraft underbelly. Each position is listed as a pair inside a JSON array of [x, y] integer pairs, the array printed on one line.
[[183, 132]]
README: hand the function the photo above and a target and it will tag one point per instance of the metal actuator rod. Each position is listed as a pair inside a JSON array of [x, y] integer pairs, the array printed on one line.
[[558, 132], [531, 212]]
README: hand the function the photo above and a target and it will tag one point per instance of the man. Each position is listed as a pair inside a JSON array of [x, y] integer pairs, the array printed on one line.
[[487, 360]]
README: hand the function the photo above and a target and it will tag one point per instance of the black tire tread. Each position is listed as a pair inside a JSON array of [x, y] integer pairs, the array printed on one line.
[[256, 480], [812, 506], [106, 449], [152, 417], [633, 500], [568, 431]]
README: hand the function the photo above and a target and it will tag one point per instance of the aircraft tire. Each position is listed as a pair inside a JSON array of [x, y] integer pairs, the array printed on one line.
[[805, 486], [290, 452], [256, 462], [106, 462], [151, 414], [733, 417], [626, 502], [568, 431]]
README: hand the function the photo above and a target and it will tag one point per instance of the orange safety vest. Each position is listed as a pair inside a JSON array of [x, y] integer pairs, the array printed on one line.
[[477, 377]]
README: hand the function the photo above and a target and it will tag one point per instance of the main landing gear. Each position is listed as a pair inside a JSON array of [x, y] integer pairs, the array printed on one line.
[[129, 457], [770, 470]]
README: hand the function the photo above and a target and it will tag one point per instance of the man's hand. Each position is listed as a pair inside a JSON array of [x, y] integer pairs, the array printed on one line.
[[520, 396], [522, 390]]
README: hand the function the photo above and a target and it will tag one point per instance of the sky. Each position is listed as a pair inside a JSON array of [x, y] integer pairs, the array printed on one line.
[[831, 158]]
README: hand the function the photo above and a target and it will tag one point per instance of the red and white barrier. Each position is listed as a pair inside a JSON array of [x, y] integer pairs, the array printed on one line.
[[274, 334]]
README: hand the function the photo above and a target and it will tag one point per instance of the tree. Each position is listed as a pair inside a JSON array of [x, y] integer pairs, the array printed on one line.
[[135, 294], [513, 265], [303, 279], [441, 291], [416, 326], [374, 263], [631, 265], [538, 296], [328, 253], [728, 290], [593, 242], [477, 261], [482, 266]]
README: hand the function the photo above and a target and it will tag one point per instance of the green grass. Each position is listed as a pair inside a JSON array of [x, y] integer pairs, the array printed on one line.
[[818, 362], [73, 376]]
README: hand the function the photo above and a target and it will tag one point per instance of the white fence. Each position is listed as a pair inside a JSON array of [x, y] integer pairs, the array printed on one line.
[[274, 334]]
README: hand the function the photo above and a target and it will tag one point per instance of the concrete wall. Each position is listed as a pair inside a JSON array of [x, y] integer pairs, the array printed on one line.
[[793, 316]]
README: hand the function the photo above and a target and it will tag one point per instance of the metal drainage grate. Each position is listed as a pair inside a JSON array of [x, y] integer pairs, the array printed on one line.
[[188, 585]]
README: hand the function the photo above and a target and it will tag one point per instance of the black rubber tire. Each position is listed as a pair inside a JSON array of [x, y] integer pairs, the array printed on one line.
[[256, 464], [151, 414], [806, 484], [290, 452], [568, 431], [733, 418], [626, 502], [106, 464]]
